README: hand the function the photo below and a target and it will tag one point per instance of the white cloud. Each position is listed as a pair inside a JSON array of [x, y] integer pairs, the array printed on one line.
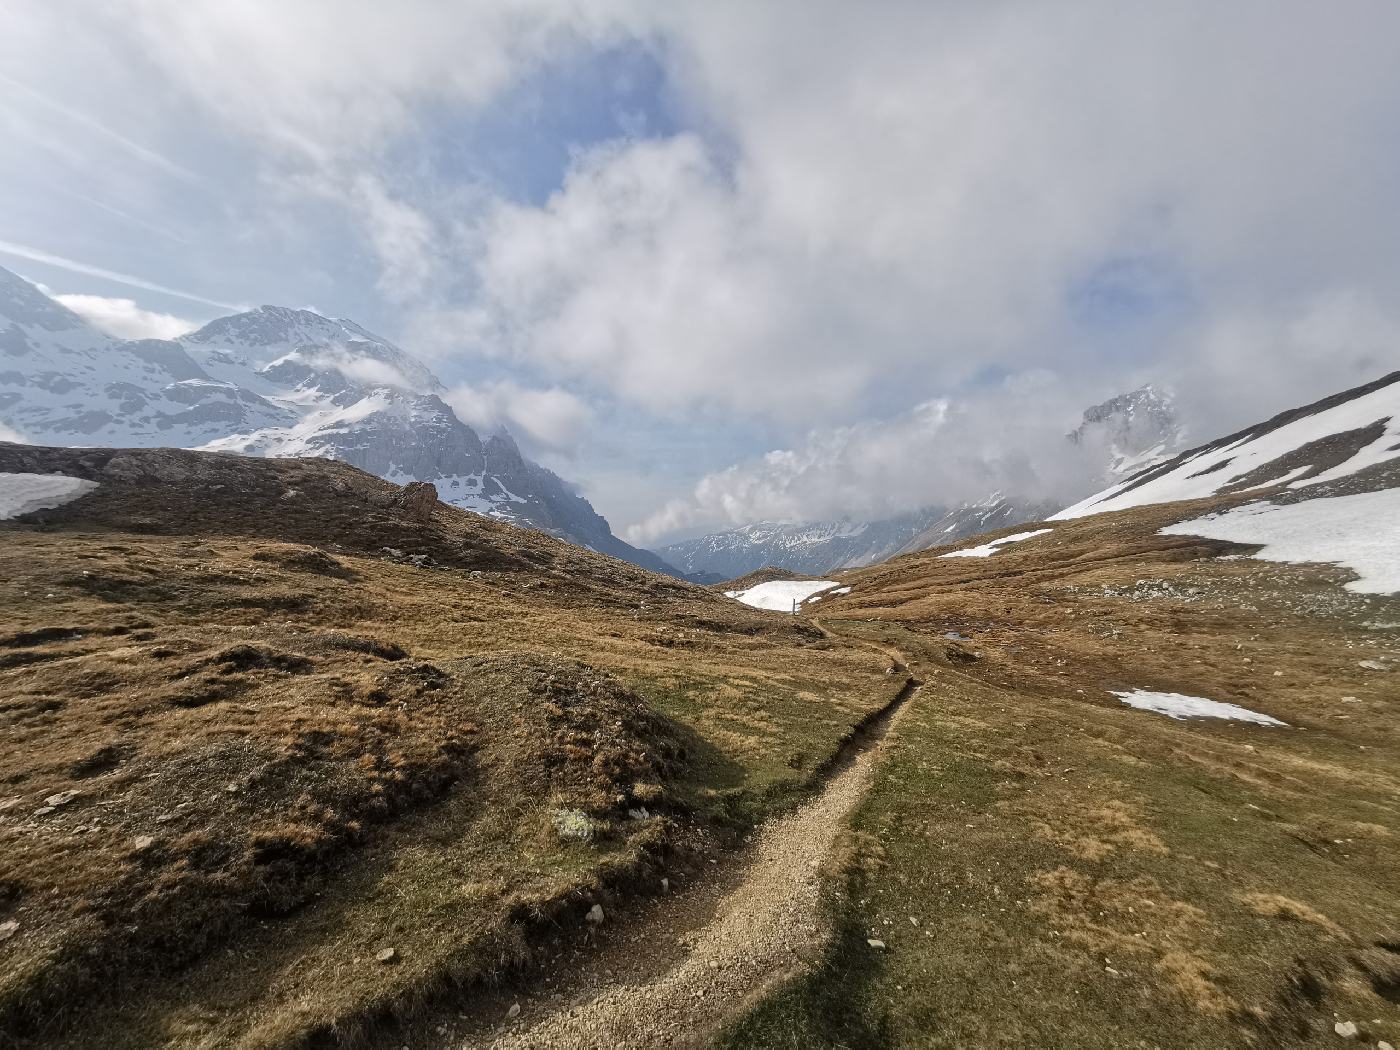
[[1009, 438], [124, 319], [551, 420], [9, 433], [909, 198]]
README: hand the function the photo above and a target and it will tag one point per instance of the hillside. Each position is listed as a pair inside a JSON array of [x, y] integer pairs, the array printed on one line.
[[1148, 795], [274, 382], [287, 746]]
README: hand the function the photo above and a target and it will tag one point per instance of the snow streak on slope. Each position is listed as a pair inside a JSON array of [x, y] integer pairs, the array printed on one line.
[[25, 493], [1360, 532], [991, 547], [780, 595], [1332, 439], [1175, 705]]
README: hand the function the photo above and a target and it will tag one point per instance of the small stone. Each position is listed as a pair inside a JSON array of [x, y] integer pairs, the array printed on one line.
[[595, 914], [61, 799], [1383, 1045], [44, 811], [9, 803], [665, 885], [1346, 1029], [1278, 674], [514, 1011], [166, 818], [913, 921], [875, 943], [385, 956], [8, 929], [1372, 665], [143, 842]]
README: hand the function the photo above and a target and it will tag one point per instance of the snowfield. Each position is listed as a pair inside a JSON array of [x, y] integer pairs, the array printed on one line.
[[779, 595], [986, 550], [1212, 469], [1175, 705], [24, 493], [1360, 532]]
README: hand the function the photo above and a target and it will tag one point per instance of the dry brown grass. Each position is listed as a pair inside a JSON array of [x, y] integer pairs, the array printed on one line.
[[291, 748], [1086, 874]]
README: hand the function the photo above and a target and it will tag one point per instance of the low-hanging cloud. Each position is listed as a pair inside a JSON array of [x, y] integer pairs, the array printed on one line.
[[551, 420], [1010, 438], [124, 319]]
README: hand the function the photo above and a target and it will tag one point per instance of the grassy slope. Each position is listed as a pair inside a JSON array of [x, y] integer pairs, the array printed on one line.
[[1080, 873], [289, 756]]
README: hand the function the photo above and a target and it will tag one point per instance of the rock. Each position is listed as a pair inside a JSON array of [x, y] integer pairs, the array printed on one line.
[[876, 943], [665, 885], [386, 956], [1373, 665], [143, 842], [1383, 1045], [8, 929], [595, 914], [1346, 1029], [417, 500], [514, 1011], [44, 811], [8, 803], [61, 799]]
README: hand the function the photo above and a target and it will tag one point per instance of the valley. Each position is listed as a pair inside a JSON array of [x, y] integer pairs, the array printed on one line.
[[374, 768]]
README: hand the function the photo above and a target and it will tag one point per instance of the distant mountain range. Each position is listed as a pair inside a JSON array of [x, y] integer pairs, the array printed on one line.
[[274, 382], [1124, 434]]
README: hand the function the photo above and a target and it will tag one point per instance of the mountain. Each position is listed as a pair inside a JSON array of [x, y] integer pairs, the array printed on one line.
[[1119, 436], [274, 382], [1130, 431], [814, 547], [1331, 446]]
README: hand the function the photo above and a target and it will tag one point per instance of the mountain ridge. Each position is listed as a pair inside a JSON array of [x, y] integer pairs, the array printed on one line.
[[275, 381]]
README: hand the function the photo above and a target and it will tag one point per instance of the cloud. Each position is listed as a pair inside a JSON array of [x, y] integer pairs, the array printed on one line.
[[9, 433], [905, 201], [552, 420], [1009, 438], [357, 368], [124, 319]]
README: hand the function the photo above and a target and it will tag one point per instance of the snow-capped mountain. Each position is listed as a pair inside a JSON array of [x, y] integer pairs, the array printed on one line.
[[1344, 443], [1119, 437], [1130, 432], [807, 547], [274, 382]]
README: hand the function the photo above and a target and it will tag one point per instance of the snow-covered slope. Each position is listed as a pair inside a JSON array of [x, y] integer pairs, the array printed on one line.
[[62, 382], [274, 382], [1330, 440]]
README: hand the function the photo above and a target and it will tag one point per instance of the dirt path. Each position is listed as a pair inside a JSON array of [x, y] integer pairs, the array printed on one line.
[[696, 960]]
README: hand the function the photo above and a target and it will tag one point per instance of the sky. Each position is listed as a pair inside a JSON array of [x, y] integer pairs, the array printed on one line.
[[721, 262]]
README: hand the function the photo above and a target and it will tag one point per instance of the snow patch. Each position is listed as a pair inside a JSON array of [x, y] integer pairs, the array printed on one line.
[[989, 548], [1175, 705], [25, 493], [1358, 532], [780, 595]]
